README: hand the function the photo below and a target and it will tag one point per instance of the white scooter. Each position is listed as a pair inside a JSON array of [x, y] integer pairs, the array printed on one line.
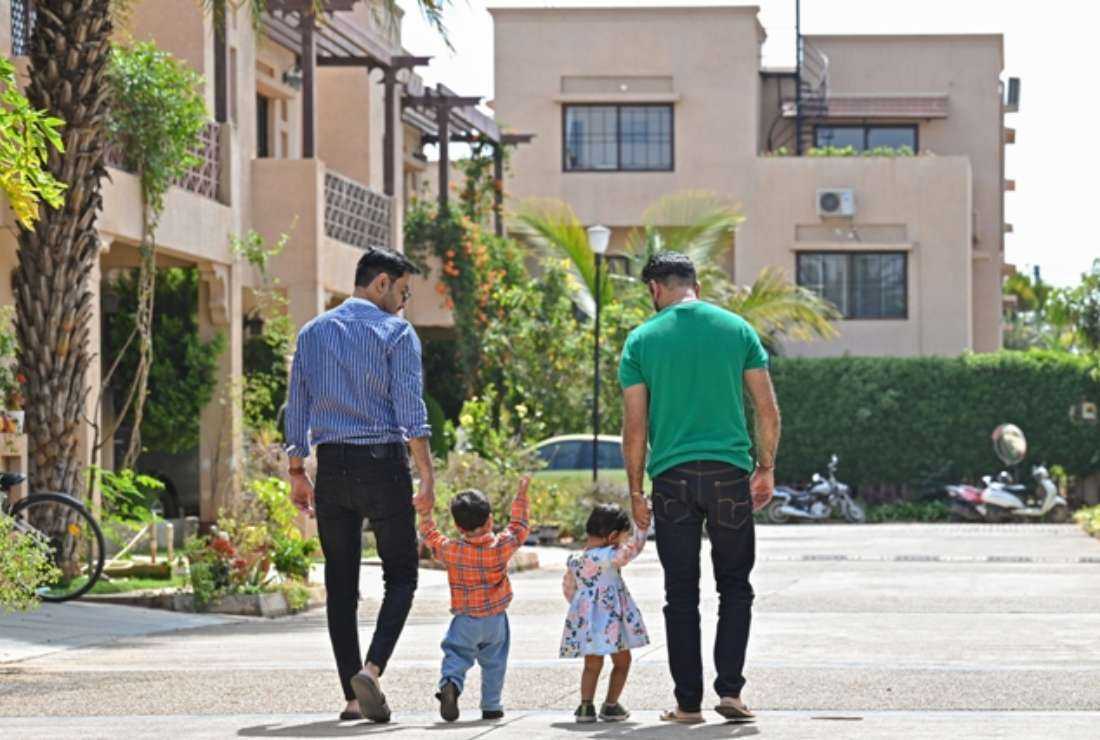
[[1001, 499]]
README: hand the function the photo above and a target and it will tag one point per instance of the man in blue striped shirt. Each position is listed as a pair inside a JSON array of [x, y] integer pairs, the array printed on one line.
[[356, 392]]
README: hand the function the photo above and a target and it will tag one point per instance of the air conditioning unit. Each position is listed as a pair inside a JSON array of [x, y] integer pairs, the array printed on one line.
[[836, 202]]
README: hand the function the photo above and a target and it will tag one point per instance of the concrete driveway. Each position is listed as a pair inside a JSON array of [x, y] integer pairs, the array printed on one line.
[[859, 631]]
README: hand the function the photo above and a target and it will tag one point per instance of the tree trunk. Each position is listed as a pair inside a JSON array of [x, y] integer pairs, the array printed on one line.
[[70, 48]]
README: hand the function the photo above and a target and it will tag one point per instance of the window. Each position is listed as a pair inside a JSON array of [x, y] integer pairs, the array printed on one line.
[[617, 138], [263, 126], [611, 456], [561, 455], [862, 285], [862, 138]]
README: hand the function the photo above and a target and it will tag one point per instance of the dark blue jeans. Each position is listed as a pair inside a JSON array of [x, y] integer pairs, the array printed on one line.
[[352, 485], [685, 498]]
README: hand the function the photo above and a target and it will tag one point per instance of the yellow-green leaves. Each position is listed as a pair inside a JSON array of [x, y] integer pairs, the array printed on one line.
[[26, 136]]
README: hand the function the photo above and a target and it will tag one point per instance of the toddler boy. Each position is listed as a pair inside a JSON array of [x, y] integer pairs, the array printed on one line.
[[477, 570]]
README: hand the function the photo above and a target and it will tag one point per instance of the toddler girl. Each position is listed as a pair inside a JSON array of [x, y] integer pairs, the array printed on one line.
[[603, 618]]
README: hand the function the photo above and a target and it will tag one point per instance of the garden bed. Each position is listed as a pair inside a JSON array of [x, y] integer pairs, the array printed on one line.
[[270, 604]]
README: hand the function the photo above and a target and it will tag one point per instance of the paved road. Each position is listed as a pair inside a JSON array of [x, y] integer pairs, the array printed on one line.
[[875, 631]]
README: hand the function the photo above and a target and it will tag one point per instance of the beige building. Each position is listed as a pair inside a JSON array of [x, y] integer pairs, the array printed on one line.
[[631, 104], [335, 179]]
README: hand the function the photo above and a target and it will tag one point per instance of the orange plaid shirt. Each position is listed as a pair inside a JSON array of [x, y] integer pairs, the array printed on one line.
[[477, 569]]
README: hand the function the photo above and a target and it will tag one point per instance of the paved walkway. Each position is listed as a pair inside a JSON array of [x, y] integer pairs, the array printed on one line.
[[873, 631]]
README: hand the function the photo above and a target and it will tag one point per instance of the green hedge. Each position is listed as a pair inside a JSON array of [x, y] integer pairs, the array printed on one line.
[[897, 421]]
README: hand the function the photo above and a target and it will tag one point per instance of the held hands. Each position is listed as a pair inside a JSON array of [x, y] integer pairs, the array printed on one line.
[[761, 486], [424, 501], [639, 507]]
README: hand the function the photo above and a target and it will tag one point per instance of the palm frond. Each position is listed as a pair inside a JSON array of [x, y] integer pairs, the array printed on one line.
[[699, 223], [553, 229], [776, 307]]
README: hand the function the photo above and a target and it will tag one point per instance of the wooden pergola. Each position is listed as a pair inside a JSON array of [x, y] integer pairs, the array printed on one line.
[[443, 116], [440, 115]]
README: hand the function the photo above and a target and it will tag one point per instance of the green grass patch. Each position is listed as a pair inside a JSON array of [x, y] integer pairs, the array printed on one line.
[[125, 585]]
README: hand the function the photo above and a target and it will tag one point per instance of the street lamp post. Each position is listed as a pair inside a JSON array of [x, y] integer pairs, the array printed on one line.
[[598, 237]]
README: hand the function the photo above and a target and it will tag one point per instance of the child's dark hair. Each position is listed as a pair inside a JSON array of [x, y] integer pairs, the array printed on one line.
[[607, 519], [470, 509]]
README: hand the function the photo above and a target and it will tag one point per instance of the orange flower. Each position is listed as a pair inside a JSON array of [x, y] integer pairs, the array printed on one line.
[[440, 288], [450, 305]]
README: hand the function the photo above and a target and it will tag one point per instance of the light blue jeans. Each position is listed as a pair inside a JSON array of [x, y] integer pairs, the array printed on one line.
[[484, 639]]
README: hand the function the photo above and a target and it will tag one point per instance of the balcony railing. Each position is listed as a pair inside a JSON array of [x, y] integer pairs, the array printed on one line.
[[355, 214], [22, 23], [203, 178]]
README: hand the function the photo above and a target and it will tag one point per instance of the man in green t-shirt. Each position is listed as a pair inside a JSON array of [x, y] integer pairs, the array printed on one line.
[[684, 373]]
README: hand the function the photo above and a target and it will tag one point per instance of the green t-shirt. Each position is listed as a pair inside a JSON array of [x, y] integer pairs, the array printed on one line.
[[691, 357]]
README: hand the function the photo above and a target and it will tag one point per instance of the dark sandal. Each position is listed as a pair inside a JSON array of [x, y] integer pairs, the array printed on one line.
[[736, 713], [372, 702], [350, 716]]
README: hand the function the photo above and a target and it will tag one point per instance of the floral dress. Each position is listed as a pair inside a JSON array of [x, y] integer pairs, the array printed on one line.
[[603, 618]]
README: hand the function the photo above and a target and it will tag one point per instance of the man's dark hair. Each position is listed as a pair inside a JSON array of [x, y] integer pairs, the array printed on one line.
[[377, 260], [470, 509], [607, 519], [669, 268]]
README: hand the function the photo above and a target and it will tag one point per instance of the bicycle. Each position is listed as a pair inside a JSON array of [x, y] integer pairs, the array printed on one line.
[[65, 526]]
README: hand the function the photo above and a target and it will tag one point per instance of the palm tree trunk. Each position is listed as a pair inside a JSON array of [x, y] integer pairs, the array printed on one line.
[[70, 49]]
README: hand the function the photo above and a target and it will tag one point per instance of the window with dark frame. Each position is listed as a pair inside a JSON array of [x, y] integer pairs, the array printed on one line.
[[617, 138], [864, 137], [263, 126], [862, 285]]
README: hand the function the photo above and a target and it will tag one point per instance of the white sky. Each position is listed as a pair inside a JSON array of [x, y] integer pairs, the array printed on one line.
[[1049, 45]]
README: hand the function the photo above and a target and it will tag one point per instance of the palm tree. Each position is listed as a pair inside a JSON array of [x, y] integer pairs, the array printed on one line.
[[69, 52], [553, 229], [70, 49], [777, 308], [701, 225]]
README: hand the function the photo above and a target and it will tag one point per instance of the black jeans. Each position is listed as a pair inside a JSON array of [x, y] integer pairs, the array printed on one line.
[[684, 497], [352, 485]]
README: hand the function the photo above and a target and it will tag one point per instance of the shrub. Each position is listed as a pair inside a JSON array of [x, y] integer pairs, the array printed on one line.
[[909, 511], [565, 503], [238, 555], [894, 421], [1089, 519], [25, 565]]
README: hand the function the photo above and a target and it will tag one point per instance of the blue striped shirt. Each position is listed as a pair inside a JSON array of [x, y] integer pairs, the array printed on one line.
[[357, 378]]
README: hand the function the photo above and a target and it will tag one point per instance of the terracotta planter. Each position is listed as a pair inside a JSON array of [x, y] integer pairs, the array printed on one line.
[[11, 421]]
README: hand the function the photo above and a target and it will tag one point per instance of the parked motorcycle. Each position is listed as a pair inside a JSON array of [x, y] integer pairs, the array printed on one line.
[[1002, 499], [817, 502]]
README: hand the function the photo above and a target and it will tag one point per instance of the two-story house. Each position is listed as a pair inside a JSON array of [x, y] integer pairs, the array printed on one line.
[[315, 131], [631, 104]]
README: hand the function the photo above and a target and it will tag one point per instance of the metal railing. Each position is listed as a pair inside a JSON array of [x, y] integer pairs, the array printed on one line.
[[23, 16], [202, 179], [355, 214]]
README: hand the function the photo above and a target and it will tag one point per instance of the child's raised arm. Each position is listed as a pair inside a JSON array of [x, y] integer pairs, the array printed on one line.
[[627, 551], [518, 528]]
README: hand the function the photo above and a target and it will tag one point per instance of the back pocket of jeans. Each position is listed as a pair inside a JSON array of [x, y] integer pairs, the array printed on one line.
[[670, 500], [732, 504]]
